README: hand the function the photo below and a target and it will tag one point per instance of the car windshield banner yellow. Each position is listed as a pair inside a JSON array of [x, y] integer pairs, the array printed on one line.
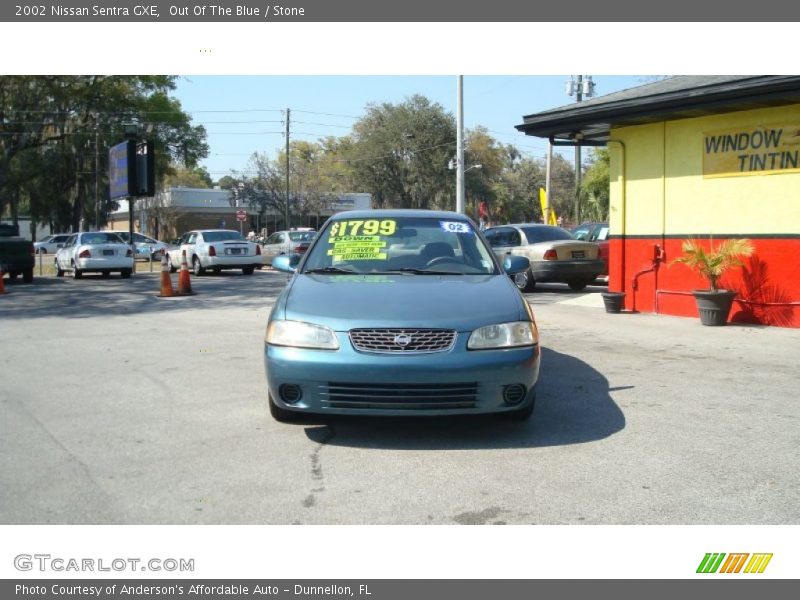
[[360, 239], [752, 151]]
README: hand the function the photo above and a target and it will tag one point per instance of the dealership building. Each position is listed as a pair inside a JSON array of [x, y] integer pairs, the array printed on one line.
[[178, 209], [702, 157]]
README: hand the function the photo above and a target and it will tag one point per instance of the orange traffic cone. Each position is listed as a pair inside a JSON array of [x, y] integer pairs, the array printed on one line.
[[184, 284], [166, 280], [2, 284]]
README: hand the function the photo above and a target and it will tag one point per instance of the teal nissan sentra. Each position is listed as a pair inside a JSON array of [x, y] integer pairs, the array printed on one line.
[[399, 313]]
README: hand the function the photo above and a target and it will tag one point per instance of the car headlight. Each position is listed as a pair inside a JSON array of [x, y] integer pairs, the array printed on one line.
[[503, 335], [301, 335]]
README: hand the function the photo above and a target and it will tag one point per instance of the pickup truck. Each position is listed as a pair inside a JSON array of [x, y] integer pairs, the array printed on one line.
[[16, 253]]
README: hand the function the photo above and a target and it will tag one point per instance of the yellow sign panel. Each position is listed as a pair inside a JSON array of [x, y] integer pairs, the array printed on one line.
[[752, 150], [357, 247]]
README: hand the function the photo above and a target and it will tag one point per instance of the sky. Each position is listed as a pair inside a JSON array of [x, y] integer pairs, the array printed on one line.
[[245, 114]]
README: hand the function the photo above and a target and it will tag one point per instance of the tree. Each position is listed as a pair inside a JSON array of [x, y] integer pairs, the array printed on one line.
[[595, 186], [196, 177], [66, 124], [400, 154]]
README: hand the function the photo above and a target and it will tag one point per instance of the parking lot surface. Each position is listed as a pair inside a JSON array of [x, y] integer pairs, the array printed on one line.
[[120, 407]]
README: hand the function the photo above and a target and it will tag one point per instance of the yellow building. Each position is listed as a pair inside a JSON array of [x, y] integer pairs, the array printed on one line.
[[703, 157]]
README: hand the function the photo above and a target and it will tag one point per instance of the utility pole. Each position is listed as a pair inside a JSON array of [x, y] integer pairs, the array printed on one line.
[[286, 208], [547, 184], [97, 170], [580, 87], [460, 147]]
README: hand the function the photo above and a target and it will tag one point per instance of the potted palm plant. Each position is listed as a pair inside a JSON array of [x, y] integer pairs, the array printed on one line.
[[714, 304]]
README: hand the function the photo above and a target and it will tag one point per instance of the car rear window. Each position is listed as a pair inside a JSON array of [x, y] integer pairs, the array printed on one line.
[[101, 238], [222, 236], [545, 234]]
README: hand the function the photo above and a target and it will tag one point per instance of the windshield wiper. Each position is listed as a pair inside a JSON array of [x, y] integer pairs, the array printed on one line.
[[331, 270], [419, 271]]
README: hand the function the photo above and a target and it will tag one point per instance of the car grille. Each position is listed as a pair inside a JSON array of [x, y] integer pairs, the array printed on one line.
[[402, 340], [400, 396]]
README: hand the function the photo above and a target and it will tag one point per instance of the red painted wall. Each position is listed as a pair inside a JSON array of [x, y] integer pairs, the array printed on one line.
[[768, 285]]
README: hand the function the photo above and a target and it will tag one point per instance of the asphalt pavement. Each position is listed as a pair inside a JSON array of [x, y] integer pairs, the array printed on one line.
[[120, 407]]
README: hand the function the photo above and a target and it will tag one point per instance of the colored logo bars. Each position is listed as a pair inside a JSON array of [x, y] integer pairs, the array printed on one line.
[[733, 564]]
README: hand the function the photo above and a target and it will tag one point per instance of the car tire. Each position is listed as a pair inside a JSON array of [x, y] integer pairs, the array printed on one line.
[[280, 414], [248, 270], [76, 272], [197, 268], [59, 271], [525, 281], [172, 268], [577, 286], [106, 274], [27, 276]]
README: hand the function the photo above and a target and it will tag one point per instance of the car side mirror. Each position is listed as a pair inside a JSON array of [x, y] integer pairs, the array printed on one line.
[[515, 264], [286, 263]]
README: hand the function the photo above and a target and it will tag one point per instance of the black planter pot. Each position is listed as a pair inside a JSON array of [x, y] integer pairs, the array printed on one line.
[[614, 301], [714, 307]]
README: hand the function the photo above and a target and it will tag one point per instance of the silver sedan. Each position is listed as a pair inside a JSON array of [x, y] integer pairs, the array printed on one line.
[[554, 254]]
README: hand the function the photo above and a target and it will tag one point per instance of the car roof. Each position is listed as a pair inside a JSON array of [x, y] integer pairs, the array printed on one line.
[[384, 213], [525, 225]]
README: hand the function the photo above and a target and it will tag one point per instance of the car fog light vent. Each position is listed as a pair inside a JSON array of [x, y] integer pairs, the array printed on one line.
[[290, 393], [514, 394]]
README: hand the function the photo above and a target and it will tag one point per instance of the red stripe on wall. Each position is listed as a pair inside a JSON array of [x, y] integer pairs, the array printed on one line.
[[768, 285]]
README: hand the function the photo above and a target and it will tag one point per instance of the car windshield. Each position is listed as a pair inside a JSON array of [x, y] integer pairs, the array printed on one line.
[[100, 238], [414, 245], [545, 233], [301, 236], [222, 236]]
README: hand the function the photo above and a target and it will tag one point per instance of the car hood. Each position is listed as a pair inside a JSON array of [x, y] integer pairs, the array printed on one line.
[[344, 302]]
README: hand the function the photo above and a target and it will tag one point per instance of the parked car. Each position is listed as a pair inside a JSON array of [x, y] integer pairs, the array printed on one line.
[[554, 255], [595, 232], [16, 253], [94, 252], [293, 241], [215, 249], [397, 313], [146, 247], [50, 244]]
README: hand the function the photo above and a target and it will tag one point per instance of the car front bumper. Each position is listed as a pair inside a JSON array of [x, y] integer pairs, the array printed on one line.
[[349, 382]]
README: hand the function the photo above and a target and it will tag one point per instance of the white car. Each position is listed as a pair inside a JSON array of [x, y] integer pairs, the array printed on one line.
[[50, 244], [146, 247], [215, 249], [94, 252]]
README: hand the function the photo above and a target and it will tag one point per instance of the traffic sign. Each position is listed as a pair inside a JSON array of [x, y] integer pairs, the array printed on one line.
[[241, 215]]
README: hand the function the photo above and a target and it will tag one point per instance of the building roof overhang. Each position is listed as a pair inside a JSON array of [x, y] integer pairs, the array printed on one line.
[[683, 97]]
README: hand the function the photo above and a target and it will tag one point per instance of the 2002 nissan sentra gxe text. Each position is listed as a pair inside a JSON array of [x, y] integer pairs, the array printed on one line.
[[400, 312]]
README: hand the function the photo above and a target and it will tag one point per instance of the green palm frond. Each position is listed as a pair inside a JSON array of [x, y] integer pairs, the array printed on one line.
[[713, 264]]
